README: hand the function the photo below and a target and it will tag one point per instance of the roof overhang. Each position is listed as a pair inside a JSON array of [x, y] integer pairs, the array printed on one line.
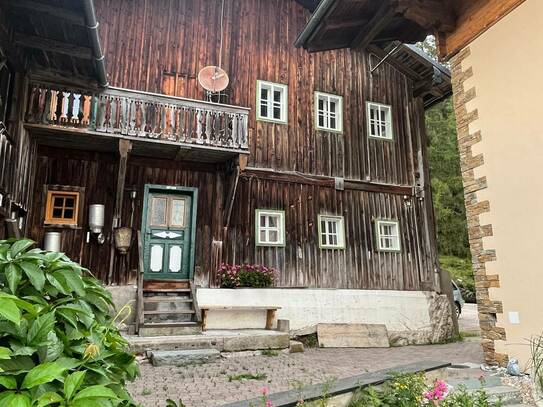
[[359, 23], [54, 36]]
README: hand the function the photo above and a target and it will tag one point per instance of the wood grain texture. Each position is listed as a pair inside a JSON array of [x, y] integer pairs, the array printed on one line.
[[160, 46], [474, 18]]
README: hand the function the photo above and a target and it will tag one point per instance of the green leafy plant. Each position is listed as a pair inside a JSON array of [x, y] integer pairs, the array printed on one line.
[[410, 390], [171, 403], [58, 343], [247, 376]]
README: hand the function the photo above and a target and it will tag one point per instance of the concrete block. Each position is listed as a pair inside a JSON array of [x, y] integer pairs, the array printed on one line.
[[283, 325], [255, 342], [296, 347], [184, 357], [352, 336]]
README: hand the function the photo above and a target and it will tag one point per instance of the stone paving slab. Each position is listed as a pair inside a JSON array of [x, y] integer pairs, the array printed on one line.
[[215, 383]]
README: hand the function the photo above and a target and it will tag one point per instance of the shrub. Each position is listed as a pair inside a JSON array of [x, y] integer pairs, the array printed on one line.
[[411, 391], [246, 275], [58, 344]]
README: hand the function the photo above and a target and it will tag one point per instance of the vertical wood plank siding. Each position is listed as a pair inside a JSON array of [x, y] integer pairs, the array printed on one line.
[[160, 46]]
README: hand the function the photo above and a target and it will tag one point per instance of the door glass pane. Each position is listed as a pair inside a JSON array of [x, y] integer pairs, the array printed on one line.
[[157, 253], [158, 211], [176, 254], [178, 213]]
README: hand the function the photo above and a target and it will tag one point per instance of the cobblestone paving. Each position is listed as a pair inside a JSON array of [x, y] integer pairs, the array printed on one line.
[[210, 385]]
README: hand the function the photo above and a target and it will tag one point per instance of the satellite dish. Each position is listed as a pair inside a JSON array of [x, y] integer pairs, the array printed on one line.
[[213, 78]]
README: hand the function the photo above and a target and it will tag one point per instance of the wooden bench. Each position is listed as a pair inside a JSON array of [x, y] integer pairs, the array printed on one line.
[[270, 312]]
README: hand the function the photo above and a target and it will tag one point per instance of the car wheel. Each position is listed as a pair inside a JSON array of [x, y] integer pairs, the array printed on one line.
[[458, 309]]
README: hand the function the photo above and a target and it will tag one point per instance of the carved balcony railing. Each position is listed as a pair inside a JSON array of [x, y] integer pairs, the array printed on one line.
[[141, 115]]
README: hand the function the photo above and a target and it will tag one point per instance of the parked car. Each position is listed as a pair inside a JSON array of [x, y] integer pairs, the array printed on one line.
[[458, 299]]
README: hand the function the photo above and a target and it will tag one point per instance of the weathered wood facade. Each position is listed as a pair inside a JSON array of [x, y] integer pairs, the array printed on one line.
[[159, 47]]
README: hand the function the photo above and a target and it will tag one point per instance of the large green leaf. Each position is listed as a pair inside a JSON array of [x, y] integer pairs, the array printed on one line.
[[20, 400], [6, 397], [34, 274], [96, 392], [20, 246], [5, 353], [44, 373], [49, 398], [17, 365], [42, 325], [13, 276], [9, 310], [55, 283], [9, 382], [73, 383], [94, 403], [52, 349], [73, 281]]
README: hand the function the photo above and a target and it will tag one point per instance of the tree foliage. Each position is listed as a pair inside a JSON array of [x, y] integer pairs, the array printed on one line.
[[58, 344], [446, 178]]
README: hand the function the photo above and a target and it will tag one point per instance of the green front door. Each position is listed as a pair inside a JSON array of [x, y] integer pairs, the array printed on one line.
[[168, 239]]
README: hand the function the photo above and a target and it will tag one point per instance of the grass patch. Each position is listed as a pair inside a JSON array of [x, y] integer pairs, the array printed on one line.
[[466, 334], [247, 376], [462, 273], [146, 392], [269, 352], [309, 341]]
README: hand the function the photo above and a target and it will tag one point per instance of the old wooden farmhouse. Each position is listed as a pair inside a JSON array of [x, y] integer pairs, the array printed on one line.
[[313, 163]]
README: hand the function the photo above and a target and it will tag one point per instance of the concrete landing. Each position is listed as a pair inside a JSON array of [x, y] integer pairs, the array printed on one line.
[[221, 340]]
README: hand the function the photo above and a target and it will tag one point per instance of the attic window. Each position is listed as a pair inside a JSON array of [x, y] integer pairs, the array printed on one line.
[[272, 102], [62, 207], [379, 121], [328, 112]]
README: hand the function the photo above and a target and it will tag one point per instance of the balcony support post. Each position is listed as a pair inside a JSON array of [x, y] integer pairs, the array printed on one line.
[[125, 146]]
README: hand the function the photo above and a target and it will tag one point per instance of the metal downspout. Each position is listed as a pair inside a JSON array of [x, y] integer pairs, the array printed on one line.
[[315, 19], [99, 58]]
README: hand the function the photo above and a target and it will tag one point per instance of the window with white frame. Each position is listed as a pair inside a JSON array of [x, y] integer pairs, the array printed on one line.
[[379, 121], [388, 235], [270, 228], [331, 232], [272, 103], [328, 112]]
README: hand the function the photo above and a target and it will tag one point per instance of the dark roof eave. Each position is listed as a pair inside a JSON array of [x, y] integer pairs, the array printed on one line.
[[313, 22]]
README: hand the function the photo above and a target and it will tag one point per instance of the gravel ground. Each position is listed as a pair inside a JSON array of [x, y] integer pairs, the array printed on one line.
[[524, 384]]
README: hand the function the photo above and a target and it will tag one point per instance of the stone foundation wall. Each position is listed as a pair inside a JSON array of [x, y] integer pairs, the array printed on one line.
[[469, 162]]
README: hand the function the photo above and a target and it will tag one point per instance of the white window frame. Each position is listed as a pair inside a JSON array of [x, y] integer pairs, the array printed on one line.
[[327, 97], [283, 104], [280, 228], [389, 135], [397, 246], [324, 231]]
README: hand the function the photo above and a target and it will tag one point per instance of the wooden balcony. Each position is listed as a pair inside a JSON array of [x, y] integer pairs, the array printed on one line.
[[158, 125]]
